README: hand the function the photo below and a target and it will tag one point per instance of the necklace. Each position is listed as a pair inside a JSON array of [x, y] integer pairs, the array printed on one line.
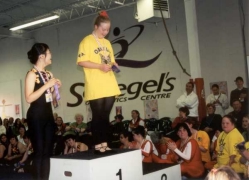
[[103, 48]]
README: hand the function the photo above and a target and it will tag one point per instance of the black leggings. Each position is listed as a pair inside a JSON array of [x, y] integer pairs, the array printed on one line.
[[101, 109]]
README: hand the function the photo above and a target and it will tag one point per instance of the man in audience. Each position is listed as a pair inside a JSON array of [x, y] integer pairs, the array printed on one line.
[[240, 93], [220, 100], [238, 114], [190, 100]]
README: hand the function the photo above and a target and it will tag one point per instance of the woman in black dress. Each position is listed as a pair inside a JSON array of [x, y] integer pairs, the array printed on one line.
[[39, 85]]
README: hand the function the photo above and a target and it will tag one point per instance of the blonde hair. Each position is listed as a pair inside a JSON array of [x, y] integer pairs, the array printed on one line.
[[78, 114], [222, 173]]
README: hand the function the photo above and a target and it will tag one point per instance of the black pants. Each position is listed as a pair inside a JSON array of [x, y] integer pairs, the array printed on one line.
[[42, 133], [101, 109]]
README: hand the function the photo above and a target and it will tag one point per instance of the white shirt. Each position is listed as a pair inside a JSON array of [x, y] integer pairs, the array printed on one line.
[[220, 108], [186, 154], [20, 139], [190, 101], [2, 129]]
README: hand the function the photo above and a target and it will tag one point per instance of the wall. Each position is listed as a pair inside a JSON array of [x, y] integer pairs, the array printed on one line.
[[218, 51]]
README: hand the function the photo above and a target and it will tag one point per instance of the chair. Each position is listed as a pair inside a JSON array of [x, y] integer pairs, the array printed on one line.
[[151, 124], [164, 125], [126, 124]]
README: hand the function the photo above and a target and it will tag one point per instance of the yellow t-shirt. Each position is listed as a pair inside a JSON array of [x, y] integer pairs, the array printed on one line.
[[226, 147], [204, 141], [98, 84]]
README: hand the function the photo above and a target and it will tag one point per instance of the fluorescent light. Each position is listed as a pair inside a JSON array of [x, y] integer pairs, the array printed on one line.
[[120, 3], [34, 23], [90, 6]]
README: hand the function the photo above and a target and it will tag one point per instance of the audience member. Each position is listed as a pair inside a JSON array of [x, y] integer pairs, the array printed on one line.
[[127, 140], [143, 144], [227, 154], [187, 153], [189, 99], [59, 141], [21, 134], [2, 127], [71, 146], [211, 122], [15, 151], [222, 173], [115, 130], [15, 127], [238, 114], [219, 99], [202, 139], [136, 120], [240, 93], [245, 127], [183, 113], [4, 144], [76, 128]]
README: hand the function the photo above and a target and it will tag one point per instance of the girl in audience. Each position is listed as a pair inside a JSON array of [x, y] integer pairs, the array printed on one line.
[[16, 126], [183, 114], [187, 153], [127, 141], [4, 144], [21, 134], [143, 144], [227, 153], [15, 151], [71, 146], [39, 86], [245, 126], [2, 127], [136, 120], [202, 139]]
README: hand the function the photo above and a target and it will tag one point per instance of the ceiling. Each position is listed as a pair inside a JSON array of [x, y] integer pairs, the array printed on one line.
[[17, 12]]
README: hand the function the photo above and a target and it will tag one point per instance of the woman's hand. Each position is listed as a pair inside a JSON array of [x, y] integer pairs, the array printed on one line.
[[171, 145], [105, 67], [51, 82], [58, 83]]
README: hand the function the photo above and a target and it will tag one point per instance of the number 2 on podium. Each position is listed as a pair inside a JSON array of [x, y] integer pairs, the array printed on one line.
[[119, 173]]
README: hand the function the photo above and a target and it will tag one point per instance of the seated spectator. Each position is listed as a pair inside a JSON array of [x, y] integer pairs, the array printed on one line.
[[238, 114], [59, 141], [245, 127], [136, 120], [10, 127], [222, 173], [22, 132], [201, 138], [15, 128], [115, 130], [24, 165], [71, 146], [2, 127], [211, 122], [127, 140], [25, 123], [187, 153], [183, 113], [4, 144], [76, 128], [143, 144], [227, 154], [15, 151]]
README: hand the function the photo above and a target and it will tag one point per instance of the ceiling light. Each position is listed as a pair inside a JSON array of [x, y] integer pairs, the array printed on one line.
[[90, 6], [120, 3], [35, 22]]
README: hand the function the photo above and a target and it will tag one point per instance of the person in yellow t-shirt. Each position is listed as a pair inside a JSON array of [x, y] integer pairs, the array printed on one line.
[[202, 139], [96, 57], [227, 153]]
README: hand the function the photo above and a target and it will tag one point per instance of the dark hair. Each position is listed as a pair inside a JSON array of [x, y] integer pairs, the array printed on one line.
[[185, 110], [234, 100], [119, 116], [101, 18], [69, 136], [193, 85], [36, 50], [230, 117], [139, 130], [13, 136], [137, 112], [184, 126], [211, 105], [192, 121], [215, 85], [127, 134], [2, 136], [21, 126], [1, 121], [27, 135]]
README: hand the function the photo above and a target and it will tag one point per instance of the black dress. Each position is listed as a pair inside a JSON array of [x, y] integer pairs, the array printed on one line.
[[42, 127]]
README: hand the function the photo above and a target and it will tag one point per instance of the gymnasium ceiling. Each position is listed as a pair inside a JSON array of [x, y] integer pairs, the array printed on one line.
[[17, 12]]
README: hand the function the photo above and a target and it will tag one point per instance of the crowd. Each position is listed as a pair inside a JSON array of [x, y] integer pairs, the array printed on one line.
[[216, 143]]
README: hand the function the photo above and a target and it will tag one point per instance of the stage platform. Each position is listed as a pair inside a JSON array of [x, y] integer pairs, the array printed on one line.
[[120, 165]]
